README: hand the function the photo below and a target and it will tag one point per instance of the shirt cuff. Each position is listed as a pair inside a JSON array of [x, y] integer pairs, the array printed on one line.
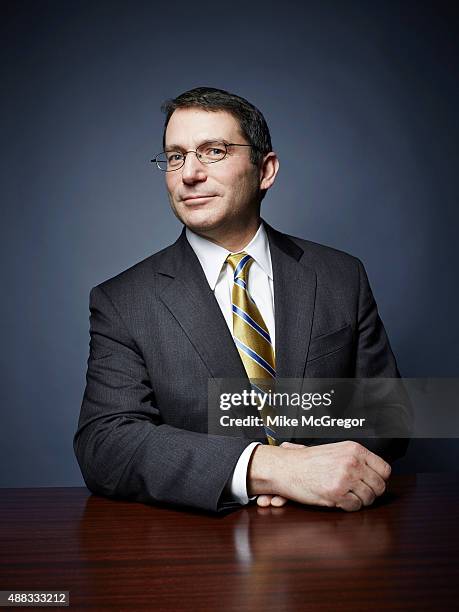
[[237, 484]]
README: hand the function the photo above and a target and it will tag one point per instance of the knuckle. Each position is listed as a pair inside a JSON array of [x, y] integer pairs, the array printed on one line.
[[342, 482], [351, 462], [354, 461], [355, 447]]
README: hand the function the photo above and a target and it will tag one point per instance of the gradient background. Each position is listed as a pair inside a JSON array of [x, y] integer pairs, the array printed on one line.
[[362, 100]]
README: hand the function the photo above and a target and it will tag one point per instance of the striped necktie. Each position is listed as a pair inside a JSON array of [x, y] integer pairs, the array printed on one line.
[[251, 335]]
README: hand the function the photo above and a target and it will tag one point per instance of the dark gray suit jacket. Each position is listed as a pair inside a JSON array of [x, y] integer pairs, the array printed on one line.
[[157, 335]]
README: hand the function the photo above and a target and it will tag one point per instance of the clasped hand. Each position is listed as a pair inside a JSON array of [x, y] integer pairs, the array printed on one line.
[[341, 475]]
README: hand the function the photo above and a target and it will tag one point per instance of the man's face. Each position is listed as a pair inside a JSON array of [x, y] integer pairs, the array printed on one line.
[[217, 197]]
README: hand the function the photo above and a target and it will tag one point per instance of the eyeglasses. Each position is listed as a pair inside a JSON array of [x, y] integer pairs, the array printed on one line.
[[207, 153]]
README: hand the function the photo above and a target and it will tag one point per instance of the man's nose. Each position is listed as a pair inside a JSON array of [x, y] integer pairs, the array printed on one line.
[[193, 170]]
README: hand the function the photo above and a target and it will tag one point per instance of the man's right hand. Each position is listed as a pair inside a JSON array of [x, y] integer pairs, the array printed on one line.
[[343, 475]]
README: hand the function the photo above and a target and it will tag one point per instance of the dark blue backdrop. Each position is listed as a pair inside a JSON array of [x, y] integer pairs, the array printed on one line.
[[362, 101]]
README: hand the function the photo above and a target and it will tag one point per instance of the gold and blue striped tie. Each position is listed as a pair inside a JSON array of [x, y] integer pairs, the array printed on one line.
[[251, 335]]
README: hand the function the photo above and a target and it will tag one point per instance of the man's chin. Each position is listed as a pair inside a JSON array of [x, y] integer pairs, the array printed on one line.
[[200, 221]]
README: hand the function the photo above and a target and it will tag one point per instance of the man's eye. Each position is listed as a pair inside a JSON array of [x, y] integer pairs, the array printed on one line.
[[174, 157], [214, 152]]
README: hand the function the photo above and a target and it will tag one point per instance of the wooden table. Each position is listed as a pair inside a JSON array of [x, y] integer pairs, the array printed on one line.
[[400, 554]]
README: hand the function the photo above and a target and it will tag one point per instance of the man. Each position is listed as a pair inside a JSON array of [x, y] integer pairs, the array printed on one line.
[[161, 329]]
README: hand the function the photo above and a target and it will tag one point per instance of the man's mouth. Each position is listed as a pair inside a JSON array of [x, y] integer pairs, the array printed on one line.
[[197, 198]]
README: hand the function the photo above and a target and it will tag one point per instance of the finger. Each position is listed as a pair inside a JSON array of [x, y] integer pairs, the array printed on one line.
[[373, 480], [365, 493], [349, 502], [278, 501], [264, 500], [378, 464], [291, 445]]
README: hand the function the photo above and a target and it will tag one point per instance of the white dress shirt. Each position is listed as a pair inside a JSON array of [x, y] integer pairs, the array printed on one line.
[[219, 275]]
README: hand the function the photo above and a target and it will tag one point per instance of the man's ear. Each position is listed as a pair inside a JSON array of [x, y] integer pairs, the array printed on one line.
[[268, 170]]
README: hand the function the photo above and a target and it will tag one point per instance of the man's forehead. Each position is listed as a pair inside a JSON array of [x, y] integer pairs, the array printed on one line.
[[197, 124]]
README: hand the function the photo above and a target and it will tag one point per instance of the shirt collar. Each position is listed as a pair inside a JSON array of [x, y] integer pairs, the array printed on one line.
[[212, 256]]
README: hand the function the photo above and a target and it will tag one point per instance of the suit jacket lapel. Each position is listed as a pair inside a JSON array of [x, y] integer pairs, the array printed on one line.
[[294, 299]]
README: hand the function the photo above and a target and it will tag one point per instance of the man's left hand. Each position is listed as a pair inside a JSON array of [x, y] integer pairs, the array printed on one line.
[[275, 500]]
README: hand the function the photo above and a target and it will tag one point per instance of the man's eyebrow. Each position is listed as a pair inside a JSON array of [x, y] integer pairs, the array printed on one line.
[[176, 147]]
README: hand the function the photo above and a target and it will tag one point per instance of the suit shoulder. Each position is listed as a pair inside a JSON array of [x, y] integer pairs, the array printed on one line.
[[337, 272], [318, 255]]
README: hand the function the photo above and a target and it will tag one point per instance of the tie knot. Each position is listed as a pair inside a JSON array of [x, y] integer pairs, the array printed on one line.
[[240, 262]]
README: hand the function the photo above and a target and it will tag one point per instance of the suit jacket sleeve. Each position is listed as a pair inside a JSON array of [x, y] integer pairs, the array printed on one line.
[[375, 359], [123, 448]]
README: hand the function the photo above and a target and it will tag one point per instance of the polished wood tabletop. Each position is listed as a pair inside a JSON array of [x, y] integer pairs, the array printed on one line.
[[400, 554]]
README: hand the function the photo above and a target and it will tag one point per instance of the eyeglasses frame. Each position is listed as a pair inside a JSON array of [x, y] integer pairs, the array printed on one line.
[[226, 145]]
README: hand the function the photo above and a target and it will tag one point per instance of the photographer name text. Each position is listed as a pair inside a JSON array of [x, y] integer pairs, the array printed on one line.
[[284, 421]]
